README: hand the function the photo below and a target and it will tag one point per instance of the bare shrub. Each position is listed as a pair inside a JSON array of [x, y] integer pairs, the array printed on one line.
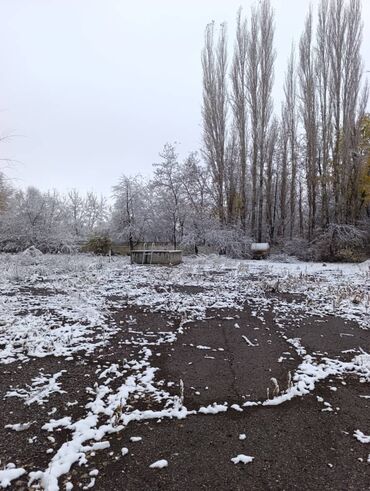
[[297, 247], [99, 245], [339, 243], [230, 241]]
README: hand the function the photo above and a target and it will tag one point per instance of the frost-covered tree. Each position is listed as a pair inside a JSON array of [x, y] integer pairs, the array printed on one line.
[[6, 192], [75, 205], [169, 195], [35, 218], [197, 201], [131, 213]]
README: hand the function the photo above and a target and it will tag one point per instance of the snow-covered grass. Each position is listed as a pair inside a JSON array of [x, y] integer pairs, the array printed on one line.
[[57, 304]]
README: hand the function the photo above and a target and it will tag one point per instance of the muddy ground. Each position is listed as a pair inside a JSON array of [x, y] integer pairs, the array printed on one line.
[[295, 445]]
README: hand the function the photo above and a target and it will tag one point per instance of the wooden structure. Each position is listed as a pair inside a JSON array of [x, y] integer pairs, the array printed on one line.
[[153, 256]]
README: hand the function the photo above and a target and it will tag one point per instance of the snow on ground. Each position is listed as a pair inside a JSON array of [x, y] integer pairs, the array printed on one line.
[[41, 389], [241, 458], [361, 437], [63, 298], [159, 464], [62, 305], [10, 473]]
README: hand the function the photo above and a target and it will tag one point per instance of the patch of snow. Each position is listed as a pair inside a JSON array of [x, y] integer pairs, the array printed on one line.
[[361, 437], [19, 426], [41, 389], [213, 409], [236, 407], [241, 458], [159, 464], [10, 473], [249, 343]]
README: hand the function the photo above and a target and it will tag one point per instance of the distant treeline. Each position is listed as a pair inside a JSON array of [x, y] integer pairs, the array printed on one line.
[[296, 176]]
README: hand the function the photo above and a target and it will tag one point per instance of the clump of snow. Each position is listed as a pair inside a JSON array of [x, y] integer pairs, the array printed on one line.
[[236, 407], [361, 437], [213, 409], [57, 423], [136, 439], [10, 473], [241, 458], [159, 464], [19, 426]]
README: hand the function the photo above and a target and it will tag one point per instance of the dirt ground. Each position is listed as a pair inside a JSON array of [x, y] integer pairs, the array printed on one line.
[[295, 445]]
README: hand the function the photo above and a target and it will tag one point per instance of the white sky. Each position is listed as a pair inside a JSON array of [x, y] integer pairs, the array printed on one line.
[[94, 88]]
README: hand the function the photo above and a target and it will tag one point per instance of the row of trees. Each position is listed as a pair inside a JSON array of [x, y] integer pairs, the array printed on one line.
[[174, 206], [294, 171], [300, 172], [49, 220]]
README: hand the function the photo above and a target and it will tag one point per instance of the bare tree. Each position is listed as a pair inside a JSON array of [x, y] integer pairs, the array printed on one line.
[[259, 82], [75, 204], [239, 107], [196, 185], [232, 171], [283, 170], [252, 84], [322, 68], [214, 110], [271, 179], [95, 211], [130, 213], [352, 113], [308, 115], [265, 82], [337, 30], [291, 122], [168, 185]]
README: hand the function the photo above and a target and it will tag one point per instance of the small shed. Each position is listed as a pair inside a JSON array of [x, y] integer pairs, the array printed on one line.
[[260, 250]]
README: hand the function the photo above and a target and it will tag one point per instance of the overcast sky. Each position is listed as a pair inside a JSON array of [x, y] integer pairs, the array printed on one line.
[[92, 89]]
